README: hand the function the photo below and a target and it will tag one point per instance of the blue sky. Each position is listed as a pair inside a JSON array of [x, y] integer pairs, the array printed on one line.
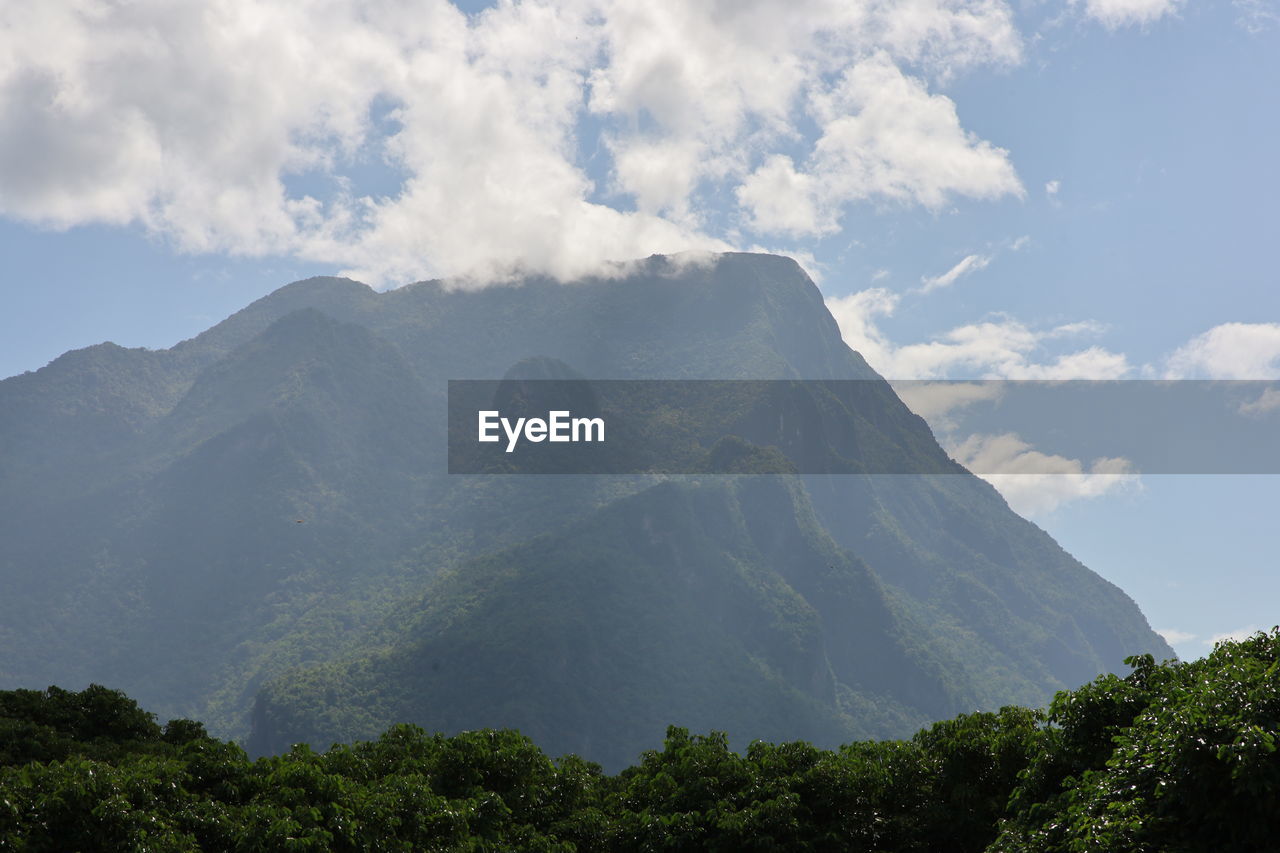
[[982, 190]]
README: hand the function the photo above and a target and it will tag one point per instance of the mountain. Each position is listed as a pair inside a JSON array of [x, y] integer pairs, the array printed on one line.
[[255, 528], [723, 604]]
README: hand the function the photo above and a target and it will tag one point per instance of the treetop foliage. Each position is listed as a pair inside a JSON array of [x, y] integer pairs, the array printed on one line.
[[1172, 757]]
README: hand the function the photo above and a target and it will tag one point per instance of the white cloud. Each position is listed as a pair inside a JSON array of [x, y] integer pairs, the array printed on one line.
[[999, 348], [1256, 16], [883, 133], [1229, 351], [201, 123], [1004, 348], [1114, 14], [856, 315], [933, 400], [883, 136], [1036, 483], [783, 201], [1173, 636], [1033, 482], [1051, 188], [1080, 327], [1268, 401], [1236, 635], [970, 263]]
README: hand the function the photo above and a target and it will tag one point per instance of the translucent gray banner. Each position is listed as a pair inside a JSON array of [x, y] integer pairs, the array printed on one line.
[[579, 426]]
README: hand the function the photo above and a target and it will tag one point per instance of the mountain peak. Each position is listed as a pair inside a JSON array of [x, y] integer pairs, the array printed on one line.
[[268, 504]]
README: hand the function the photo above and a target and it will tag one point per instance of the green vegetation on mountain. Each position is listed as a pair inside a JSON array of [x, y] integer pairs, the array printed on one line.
[[256, 528], [1177, 757], [719, 604]]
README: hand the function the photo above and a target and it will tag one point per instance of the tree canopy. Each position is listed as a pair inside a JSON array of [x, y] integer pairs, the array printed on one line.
[[1172, 757]]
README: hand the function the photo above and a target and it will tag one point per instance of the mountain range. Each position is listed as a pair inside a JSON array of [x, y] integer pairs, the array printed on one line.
[[256, 528]]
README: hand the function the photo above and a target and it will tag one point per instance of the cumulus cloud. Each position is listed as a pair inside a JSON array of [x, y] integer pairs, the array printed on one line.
[[1114, 14], [236, 126], [1229, 351], [1036, 483], [970, 263], [884, 136], [781, 200]]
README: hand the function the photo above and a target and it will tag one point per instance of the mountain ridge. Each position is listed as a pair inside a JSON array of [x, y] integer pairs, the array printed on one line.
[[200, 525]]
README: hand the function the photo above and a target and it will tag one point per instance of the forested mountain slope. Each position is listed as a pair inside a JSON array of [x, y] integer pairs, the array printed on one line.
[[256, 526]]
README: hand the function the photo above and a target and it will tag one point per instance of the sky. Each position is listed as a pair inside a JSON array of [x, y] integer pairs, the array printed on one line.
[[982, 189]]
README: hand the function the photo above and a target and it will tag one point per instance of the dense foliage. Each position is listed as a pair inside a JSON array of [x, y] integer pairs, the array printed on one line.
[[721, 605], [1172, 757]]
